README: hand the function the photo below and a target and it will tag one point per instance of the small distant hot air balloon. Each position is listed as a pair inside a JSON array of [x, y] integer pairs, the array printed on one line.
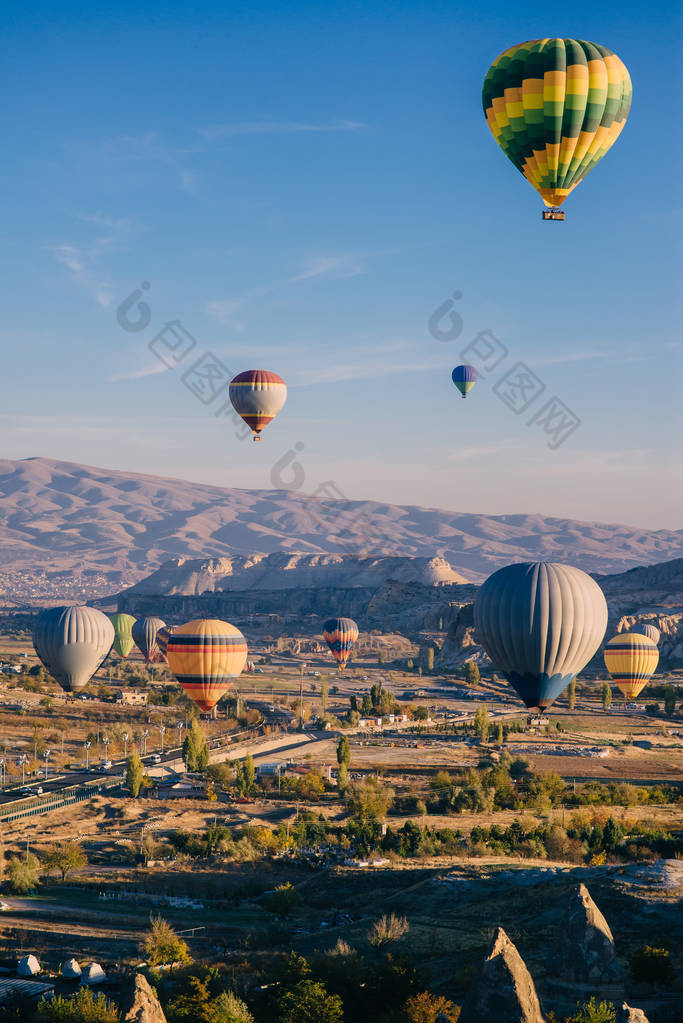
[[631, 660], [340, 634], [72, 642], [540, 623], [163, 636], [257, 395], [206, 656], [644, 629], [555, 106], [464, 378], [144, 633], [123, 638]]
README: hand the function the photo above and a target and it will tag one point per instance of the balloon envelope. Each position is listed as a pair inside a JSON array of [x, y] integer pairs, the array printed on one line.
[[206, 656], [123, 638], [340, 634], [631, 659], [540, 623], [72, 642], [163, 636], [464, 378], [555, 106], [257, 395], [643, 629], [144, 633]]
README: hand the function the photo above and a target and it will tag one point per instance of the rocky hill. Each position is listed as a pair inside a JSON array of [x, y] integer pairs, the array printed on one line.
[[72, 531]]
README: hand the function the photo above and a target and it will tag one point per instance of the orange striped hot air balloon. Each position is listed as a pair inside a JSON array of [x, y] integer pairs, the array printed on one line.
[[631, 660], [206, 656], [257, 395], [340, 634]]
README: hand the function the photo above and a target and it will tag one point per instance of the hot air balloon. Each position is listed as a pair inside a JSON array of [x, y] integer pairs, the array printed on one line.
[[206, 656], [340, 634], [555, 106], [464, 378], [631, 659], [540, 623], [644, 629], [257, 396], [123, 639], [144, 633], [72, 642], [162, 641]]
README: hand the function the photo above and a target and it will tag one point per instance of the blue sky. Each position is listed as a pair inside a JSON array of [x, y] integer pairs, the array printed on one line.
[[301, 189]]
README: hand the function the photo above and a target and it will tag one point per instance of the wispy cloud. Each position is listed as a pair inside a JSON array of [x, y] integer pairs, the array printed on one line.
[[215, 132], [137, 374], [229, 311], [81, 260], [77, 263]]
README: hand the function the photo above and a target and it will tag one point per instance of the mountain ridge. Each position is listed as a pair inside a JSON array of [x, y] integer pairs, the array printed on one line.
[[83, 531]]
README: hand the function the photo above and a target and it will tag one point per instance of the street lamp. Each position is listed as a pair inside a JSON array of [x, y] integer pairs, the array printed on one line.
[[125, 745], [180, 727], [87, 744], [46, 754], [144, 739], [2, 771], [162, 729], [23, 760]]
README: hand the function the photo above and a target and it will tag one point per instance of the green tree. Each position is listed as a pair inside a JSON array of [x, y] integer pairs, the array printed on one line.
[[22, 874], [481, 723], [195, 748], [309, 1000], [368, 800], [283, 900], [595, 1012], [134, 774], [64, 857], [429, 1008], [342, 779], [652, 966], [228, 1008], [669, 701], [249, 773], [430, 658], [84, 1007], [161, 944], [571, 694], [343, 751], [606, 696], [500, 734], [324, 689], [472, 675]]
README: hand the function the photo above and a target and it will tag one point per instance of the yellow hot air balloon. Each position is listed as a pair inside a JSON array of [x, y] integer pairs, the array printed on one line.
[[555, 106], [631, 660], [206, 656]]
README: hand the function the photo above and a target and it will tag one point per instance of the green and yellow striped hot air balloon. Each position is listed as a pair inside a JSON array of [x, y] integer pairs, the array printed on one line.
[[555, 106], [631, 660]]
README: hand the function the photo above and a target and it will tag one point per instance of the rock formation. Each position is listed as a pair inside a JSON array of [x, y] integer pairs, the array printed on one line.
[[503, 991], [628, 1015], [140, 1004], [585, 951]]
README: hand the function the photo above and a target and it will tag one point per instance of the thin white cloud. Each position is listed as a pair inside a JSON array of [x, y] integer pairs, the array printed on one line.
[[215, 132], [226, 311], [137, 374]]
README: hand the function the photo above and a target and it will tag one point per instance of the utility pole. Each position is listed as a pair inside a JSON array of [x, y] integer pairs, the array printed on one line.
[[301, 697], [87, 747]]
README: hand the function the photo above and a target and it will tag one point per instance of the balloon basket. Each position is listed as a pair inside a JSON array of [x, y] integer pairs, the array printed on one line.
[[553, 214], [256, 438]]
